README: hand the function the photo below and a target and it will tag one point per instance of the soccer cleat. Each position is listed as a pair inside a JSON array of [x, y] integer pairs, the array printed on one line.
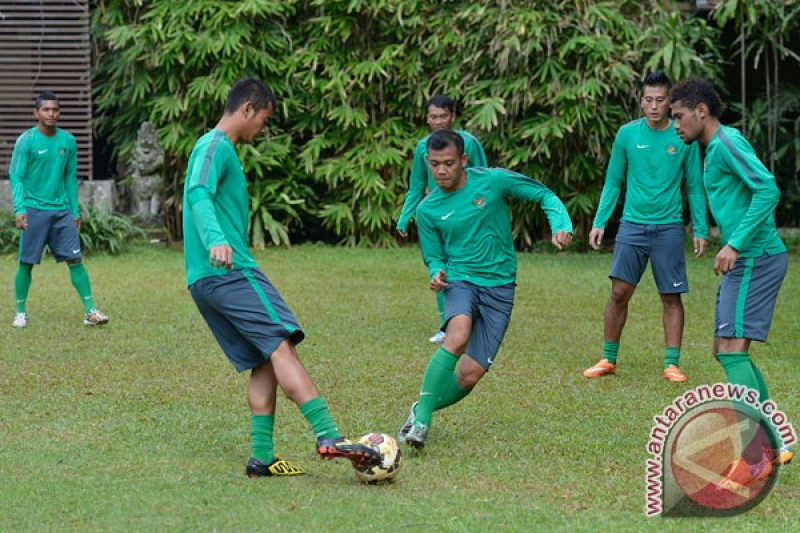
[[278, 467], [740, 473], [673, 373], [401, 437], [601, 368], [95, 318], [417, 435], [359, 454], [20, 320], [438, 338], [783, 456]]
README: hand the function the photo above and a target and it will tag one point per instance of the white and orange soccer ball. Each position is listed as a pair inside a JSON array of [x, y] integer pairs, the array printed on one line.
[[391, 458]]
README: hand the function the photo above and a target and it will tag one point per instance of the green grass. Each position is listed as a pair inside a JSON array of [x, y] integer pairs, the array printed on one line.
[[143, 426]]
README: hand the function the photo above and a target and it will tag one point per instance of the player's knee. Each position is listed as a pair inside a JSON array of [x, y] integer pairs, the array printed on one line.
[[467, 379], [621, 293]]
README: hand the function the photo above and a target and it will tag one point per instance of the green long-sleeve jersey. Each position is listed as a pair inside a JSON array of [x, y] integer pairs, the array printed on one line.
[[421, 176], [467, 232], [215, 207], [44, 172], [742, 195], [653, 163]]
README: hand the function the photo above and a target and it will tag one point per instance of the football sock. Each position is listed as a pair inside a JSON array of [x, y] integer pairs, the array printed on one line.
[[317, 414], [762, 385], [80, 280], [610, 350], [438, 377], [672, 356], [440, 299], [261, 444], [740, 370], [450, 393], [22, 282]]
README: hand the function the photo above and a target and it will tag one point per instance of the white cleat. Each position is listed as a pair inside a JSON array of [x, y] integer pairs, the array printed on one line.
[[20, 320], [95, 318], [438, 338]]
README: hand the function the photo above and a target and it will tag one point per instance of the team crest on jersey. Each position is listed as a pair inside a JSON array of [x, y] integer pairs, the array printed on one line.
[[479, 202], [61, 152], [671, 149]]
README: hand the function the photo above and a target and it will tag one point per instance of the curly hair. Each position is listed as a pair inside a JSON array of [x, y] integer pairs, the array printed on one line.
[[693, 91]]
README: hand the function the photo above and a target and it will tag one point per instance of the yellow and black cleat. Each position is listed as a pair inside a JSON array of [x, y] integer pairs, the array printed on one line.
[[278, 467]]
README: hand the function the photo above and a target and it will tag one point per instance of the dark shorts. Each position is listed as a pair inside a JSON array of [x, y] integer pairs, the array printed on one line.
[[490, 310], [56, 229], [246, 315], [662, 244], [746, 297]]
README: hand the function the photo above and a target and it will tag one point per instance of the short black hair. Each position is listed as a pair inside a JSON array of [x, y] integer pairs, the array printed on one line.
[[250, 90], [441, 139], [45, 96], [441, 101], [656, 78], [693, 91]]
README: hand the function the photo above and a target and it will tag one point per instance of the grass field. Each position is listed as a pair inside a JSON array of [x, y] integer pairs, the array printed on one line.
[[143, 426]]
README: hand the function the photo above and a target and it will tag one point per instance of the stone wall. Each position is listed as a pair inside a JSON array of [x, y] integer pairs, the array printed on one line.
[[99, 193]]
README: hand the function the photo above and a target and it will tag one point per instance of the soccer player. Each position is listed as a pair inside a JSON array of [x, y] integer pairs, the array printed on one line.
[[465, 234], [44, 188], [249, 319], [441, 113], [753, 261], [648, 155]]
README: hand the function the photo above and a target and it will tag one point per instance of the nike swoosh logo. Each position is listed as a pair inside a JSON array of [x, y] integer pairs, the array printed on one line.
[[42, 151], [445, 217], [640, 146], [76, 251], [677, 284], [490, 361], [723, 325]]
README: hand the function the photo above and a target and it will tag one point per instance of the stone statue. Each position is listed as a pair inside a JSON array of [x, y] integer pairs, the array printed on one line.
[[147, 183]]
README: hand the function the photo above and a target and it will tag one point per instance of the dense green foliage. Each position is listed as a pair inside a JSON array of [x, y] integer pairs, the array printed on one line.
[[545, 87]]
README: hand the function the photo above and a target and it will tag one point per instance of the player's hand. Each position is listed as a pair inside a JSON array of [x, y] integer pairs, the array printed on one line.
[[78, 222], [699, 246], [439, 281], [561, 239], [725, 260], [21, 221], [402, 233], [221, 256], [596, 238]]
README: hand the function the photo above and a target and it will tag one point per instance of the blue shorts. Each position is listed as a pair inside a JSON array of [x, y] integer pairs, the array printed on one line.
[[746, 297], [490, 310], [56, 229], [246, 315], [662, 244]]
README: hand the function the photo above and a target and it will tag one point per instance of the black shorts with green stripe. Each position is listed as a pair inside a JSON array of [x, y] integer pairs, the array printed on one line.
[[746, 297], [246, 314]]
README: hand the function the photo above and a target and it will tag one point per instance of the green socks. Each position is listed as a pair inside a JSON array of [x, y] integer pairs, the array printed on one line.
[[739, 369], [317, 414], [80, 280], [22, 282], [439, 386], [672, 356], [261, 444], [610, 350], [440, 299]]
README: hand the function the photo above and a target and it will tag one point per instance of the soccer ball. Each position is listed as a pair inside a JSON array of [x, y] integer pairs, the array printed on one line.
[[391, 458]]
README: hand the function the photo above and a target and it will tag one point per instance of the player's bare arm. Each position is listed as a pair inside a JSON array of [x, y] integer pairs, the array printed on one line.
[[725, 260], [596, 238], [21, 221], [561, 239], [699, 246]]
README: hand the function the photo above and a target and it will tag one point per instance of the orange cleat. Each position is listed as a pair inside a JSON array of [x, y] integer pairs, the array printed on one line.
[[673, 373], [740, 474], [601, 368]]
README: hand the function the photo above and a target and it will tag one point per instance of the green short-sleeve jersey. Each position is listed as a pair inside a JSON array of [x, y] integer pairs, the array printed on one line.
[[421, 176], [653, 163], [215, 207], [44, 172], [742, 195], [467, 232]]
